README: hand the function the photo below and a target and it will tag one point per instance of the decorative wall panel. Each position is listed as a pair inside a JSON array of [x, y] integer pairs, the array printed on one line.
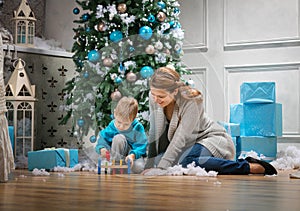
[[49, 73], [261, 22], [193, 19]]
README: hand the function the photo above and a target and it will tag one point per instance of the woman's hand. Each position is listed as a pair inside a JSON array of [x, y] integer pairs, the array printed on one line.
[[154, 172]]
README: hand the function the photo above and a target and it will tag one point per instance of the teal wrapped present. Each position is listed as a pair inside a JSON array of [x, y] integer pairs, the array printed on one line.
[[232, 129], [12, 137], [259, 119], [50, 158], [257, 92], [264, 146]]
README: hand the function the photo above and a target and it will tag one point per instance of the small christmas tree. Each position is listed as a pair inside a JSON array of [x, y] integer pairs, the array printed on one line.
[[118, 45]]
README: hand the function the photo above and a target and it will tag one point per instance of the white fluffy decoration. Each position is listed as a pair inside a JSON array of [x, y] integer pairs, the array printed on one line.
[[40, 172], [287, 159], [48, 44], [178, 170]]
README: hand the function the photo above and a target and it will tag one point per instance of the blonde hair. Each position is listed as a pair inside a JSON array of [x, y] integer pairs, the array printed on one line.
[[127, 108], [168, 79]]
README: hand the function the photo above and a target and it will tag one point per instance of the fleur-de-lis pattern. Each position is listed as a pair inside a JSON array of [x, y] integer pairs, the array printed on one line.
[[49, 75]]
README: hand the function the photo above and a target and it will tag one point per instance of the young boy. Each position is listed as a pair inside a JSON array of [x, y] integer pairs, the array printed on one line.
[[125, 136]]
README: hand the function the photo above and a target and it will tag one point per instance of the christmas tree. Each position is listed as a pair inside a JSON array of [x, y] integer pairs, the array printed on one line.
[[118, 45]]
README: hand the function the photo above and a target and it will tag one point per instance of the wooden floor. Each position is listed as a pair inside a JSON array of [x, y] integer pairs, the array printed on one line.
[[89, 191]]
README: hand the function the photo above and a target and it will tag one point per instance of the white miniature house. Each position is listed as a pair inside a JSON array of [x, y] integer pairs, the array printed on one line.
[[24, 20], [20, 100]]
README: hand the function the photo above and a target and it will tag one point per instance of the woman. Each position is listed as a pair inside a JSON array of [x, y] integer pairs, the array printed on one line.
[[180, 132]]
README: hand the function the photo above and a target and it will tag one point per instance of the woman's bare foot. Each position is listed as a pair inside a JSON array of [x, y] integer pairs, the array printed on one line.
[[260, 167], [256, 168]]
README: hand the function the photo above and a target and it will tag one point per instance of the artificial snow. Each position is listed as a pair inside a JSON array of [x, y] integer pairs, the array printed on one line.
[[77, 167], [287, 159], [178, 170], [48, 44], [252, 154], [40, 172]]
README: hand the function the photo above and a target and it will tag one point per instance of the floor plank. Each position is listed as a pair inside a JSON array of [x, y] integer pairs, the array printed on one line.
[[90, 191]]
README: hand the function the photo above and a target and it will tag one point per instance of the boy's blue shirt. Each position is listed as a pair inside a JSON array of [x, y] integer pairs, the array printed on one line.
[[135, 136]]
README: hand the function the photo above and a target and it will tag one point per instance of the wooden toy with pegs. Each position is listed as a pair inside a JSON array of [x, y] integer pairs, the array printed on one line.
[[112, 167]]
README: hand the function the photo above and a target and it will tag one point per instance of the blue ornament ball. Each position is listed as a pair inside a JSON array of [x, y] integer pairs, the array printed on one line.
[[79, 62], [93, 139], [86, 74], [177, 25], [151, 18], [93, 56], [172, 23], [116, 36], [146, 71], [121, 68], [131, 49], [76, 11], [176, 10], [85, 17], [161, 5], [80, 122], [145, 32], [118, 80]]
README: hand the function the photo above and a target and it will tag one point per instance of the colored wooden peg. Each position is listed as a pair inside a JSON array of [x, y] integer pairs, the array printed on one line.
[[128, 166]]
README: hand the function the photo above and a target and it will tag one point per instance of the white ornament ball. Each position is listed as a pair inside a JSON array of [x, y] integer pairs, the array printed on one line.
[[116, 95], [150, 49], [159, 45], [131, 77], [107, 62], [191, 83]]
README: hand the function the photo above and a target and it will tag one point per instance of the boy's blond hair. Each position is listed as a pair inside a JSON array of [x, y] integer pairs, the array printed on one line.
[[127, 108]]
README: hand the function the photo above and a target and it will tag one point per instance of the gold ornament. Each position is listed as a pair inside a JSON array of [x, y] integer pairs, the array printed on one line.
[[161, 16], [122, 8], [150, 49], [107, 62], [131, 77], [116, 95], [101, 27]]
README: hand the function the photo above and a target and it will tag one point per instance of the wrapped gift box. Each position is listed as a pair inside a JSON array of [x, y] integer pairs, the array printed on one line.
[[50, 158], [12, 137], [266, 146], [232, 129], [260, 119], [257, 92]]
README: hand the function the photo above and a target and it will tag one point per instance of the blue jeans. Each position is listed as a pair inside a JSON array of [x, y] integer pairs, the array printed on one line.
[[203, 158]]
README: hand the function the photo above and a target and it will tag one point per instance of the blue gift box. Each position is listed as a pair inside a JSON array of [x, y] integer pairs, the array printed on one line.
[[12, 137], [257, 92], [266, 146], [232, 129], [260, 119], [50, 158]]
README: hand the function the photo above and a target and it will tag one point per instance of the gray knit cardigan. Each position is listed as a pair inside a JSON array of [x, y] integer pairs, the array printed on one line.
[[189, 125]]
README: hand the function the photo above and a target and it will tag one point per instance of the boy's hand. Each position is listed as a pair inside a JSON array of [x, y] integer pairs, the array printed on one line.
[[103, 152], [130, 157]]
